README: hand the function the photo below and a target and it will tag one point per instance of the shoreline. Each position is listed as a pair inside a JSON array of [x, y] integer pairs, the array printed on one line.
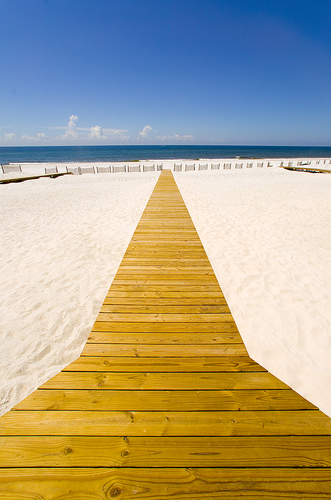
[[142, 166]]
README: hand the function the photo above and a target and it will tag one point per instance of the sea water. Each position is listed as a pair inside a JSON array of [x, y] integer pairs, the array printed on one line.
[[82, 154]]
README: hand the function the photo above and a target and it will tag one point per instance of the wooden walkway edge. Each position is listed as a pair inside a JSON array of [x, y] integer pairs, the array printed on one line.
[[164, 402]]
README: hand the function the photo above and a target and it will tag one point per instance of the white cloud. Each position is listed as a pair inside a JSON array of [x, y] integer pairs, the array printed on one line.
[[71, 133], [42, 136], [145, 133], [97, 133], [72, 122], [176, 137], [84, 135], [9, 136], [117, 134], [28, 138]]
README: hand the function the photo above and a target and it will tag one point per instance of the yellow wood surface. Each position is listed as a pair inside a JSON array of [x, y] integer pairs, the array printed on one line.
[[166, 483], [162, 327], [118, 451], [154, 351], [164, 401], [100, 363], [188, 381], [166, 423], [165, 309], [167, 338]]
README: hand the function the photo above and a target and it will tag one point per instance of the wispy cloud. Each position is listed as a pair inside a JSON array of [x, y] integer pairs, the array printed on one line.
[[41, 136], [29, 138], [175, 137], [9, 136], [25, 139], [74, 135], [117, 134]]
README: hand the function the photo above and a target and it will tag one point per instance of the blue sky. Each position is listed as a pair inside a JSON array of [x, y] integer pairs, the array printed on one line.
[[165, 72]]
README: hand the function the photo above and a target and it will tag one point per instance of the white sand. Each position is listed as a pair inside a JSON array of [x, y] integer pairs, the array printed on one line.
[[61, 242], [267, 233]]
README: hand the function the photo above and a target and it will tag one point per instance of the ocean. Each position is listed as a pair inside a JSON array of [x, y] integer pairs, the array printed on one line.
[[61, 154]]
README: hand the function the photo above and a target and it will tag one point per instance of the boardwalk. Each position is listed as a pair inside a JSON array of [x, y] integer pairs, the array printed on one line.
[[164, 402]]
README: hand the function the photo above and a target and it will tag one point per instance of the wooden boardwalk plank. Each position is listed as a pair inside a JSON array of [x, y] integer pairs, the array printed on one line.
[[139, 451], [200, 400], [162, 327], [165, 318], [182, 289], [165, 309], [167, 338], [175, 484], [163, 351], [167, 483], [166, 423], [194, 304], [165, 364], [164, 401], [164, 381]]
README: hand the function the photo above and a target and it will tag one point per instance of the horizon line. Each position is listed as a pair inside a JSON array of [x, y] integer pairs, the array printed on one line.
[[164, 145]]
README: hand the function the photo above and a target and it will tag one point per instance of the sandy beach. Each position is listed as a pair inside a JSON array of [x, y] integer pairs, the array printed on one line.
[[62, 241], [267, 235], [266, 231]]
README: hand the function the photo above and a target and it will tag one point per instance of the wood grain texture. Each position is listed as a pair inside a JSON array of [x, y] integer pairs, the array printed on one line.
[[162, 327], [170, 351], [97, 451], [166, 423], [165, 400], [165, 483], [167, 338], [99, 363], [163, 381]]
